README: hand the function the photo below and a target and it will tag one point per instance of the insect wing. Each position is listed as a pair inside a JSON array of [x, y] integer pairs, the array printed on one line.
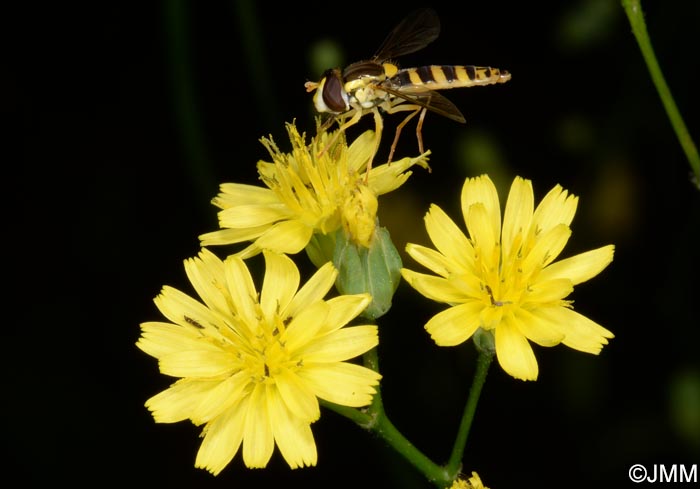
[[417, 30], [429, 99]]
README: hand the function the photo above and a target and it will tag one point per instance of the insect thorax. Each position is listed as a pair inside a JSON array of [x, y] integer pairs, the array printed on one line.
[[362, 82]]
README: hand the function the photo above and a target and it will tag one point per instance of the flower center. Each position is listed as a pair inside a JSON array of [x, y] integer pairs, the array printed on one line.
[[267, 355], [494, 302]]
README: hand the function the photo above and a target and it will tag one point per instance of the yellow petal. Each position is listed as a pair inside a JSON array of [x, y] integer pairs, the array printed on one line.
[[288, 237], [316, 179], [580, 333], [222, 439], [241, 289], [340, 345], [455, 325], [547, 248], [179, 401], [181, 309], [235, 194], [268, 173], [248, 216], [534, 328], [300, 400], [292, 435], [343, 309], [581, 267], [557, 207], [305, 325], [360, 151], [390, 176], [481, 190], [207, 275], [429, 258], [486, 242], [518, 213], [158, 339], [346, 384], [490, 317], [202, 359], [258, 441], [221, 397], [475, 481], [314, 290], [280, 284], [448, 238], [435, 288], [384, 179], [248, 252], [229, 236], [359, 215], [295, 193], [514, 353], [549, 291]]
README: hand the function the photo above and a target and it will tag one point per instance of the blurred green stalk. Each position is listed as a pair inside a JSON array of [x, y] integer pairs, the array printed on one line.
[[185, 103], [375, 419], [633, 9], [483, 362]]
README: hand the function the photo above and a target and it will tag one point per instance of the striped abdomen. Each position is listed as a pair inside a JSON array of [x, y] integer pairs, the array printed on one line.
[[441, 77]]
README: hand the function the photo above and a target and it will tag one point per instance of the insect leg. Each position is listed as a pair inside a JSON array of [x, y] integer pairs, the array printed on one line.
[[398, 132], [419, 129], [353, 120], [402, 108]]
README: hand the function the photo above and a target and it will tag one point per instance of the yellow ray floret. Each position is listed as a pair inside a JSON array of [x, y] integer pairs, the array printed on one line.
[[252, 366], [307, 192], [501, 276]]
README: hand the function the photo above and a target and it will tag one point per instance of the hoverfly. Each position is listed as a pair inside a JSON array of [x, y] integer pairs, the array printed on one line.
[[366, 86]]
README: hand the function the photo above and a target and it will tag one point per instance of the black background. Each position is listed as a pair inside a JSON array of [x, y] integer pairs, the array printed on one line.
[[130, 116]]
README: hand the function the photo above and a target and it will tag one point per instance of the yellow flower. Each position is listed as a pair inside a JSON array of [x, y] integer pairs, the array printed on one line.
[[252, 367], [504, 280], [307, 191], [474, 482]]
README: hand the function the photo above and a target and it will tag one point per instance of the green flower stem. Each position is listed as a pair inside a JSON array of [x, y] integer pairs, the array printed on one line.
[[375, 419], [359, 416], [382, 426], [633, 9], [482, 367]]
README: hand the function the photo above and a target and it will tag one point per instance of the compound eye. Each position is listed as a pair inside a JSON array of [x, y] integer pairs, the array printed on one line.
[[334, 95]]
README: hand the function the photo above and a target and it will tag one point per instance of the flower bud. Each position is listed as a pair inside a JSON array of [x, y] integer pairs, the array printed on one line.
[[375, 269], [359, 215]]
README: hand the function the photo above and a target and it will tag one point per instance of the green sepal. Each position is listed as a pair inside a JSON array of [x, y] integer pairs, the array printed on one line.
[[321, 248], [375, 270], [485, 342]]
